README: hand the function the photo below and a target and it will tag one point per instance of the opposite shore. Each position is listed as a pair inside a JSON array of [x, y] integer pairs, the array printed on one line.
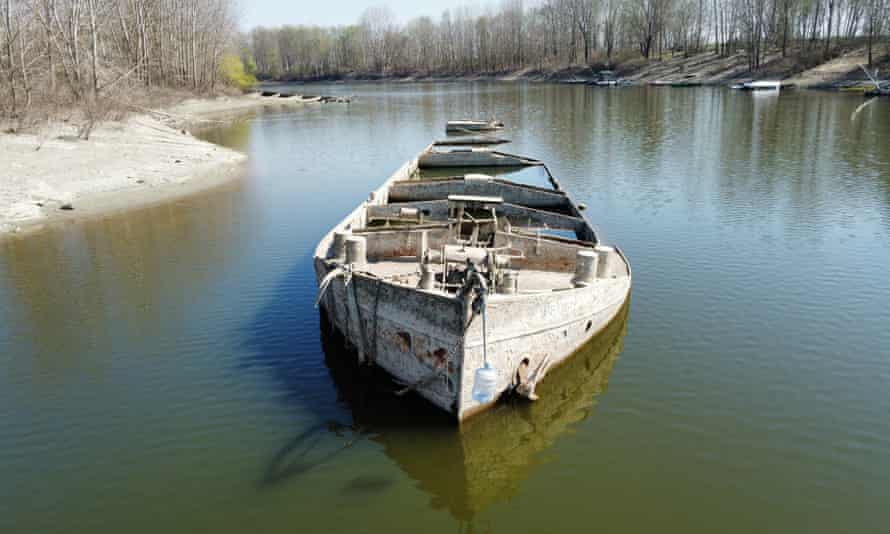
[[52, 176], [704, 68]]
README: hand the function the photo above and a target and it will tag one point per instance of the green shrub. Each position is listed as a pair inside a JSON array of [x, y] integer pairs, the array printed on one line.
[[234, 73]]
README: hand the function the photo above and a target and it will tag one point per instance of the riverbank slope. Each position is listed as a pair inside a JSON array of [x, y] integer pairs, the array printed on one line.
[[705, 68], [52, 175]]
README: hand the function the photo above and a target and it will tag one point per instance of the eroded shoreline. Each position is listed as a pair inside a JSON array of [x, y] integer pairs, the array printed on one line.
[[52, 177]]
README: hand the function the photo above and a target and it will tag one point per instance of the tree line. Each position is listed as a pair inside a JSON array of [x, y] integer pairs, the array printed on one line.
[[82, 52], [551, 33]]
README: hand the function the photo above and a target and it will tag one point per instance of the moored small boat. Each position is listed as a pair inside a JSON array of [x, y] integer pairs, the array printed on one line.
[[470, 125], [608, 78], [336, 99], [467, 287], [471, 140], [686, 82], [471, 157], [762, 85]]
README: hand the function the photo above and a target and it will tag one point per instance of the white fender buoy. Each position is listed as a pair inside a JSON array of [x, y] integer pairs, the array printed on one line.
[[485, 384]]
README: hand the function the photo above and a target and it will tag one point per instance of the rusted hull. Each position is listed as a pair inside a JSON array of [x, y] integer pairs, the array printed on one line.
[[414, 336], [421, 339]]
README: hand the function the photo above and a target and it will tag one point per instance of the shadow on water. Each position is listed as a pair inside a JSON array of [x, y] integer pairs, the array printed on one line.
[[281, 342], [309, 449], [465, 469], [468, 469]]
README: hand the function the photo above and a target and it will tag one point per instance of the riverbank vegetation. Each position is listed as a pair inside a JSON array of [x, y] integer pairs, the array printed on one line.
[[553, 34], [98, 57]]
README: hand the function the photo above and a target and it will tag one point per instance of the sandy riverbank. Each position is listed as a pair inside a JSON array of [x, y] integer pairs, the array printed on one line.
[[196, 112], [51, 176]]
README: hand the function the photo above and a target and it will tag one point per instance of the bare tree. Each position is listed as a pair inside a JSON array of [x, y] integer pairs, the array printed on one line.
[[97, 46], [556, 33], [876, 13], [376, 23]]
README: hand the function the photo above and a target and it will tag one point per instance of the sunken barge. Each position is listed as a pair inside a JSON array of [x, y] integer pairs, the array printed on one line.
[[467, 287]]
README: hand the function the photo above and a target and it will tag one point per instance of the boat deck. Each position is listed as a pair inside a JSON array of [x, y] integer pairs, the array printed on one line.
[[405, 271]]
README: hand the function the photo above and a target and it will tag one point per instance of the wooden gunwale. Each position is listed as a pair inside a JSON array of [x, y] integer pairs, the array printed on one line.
[[501, 181], [507, 299]]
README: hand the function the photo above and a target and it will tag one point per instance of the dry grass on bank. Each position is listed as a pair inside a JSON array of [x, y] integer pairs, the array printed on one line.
[[46, 110]]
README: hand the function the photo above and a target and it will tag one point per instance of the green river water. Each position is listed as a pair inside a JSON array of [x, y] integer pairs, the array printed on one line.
[[165, 371]]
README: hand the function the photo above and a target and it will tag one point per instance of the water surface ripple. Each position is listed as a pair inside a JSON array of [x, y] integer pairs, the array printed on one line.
[[165, 370]]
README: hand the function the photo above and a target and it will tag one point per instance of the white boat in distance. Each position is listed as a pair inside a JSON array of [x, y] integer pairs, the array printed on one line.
[[467, 287], [470, 125], [762, 85]]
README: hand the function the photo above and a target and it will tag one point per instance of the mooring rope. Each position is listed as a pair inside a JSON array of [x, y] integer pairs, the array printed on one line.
[[482, 290], [326, 282]]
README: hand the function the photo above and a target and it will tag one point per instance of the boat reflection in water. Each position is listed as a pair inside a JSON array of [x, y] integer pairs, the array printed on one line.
[[484, 461]]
